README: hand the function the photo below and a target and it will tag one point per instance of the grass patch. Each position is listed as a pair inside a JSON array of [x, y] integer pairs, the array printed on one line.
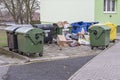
[[45, 22], [3, 38]]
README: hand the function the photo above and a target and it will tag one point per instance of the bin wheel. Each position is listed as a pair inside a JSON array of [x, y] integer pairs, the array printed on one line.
[[10, 49], [40, 54], [103, 48], [20, 52], [113, 41], [92, 47], [107, 46]]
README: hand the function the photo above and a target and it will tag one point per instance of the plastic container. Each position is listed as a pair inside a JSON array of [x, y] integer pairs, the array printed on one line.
[[48, 31], [113, 31], [79, 26], [99, 36], [30, 40], [62, 30]]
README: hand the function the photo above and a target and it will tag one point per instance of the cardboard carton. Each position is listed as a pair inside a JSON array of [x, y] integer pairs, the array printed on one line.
[[61, 41]]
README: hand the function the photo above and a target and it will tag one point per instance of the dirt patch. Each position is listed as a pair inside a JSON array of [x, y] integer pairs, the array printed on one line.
[[3, 38]]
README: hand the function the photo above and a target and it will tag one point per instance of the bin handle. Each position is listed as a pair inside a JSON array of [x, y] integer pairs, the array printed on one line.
[[99, 35], [33, 41]]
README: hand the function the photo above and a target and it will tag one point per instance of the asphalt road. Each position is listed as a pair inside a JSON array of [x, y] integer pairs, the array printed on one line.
[[52, 70]]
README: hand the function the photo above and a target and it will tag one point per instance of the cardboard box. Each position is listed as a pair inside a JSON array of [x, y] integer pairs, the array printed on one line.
[[61, 41]]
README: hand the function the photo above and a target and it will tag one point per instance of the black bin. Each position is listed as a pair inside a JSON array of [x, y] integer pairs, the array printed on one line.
[[48, 31], [12, 38]]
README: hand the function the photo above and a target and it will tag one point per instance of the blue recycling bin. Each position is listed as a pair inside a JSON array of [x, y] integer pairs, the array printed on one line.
[[78, 26]]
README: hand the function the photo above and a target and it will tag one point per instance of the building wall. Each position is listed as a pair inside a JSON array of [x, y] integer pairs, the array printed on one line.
[[105, 17], [67, 10]]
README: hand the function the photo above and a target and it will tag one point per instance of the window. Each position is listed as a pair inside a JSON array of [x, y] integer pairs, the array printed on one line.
[[109, 5]]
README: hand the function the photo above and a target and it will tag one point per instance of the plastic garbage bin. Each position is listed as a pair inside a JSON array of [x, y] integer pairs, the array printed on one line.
[[30, 40], [48, 31], [113, 31], [76, 27], [99, 36], [79, 26], [86, 25], [62, 30], [12, 38]]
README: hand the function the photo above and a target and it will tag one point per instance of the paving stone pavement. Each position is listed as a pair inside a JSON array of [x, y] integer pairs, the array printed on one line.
[[105, 66], [52, 52]]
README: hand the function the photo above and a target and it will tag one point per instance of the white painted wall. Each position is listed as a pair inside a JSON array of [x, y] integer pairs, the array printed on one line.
[[67, 10]]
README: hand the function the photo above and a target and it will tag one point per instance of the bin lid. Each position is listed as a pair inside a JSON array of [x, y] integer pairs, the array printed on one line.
[[24, 29], [111, 25], [23, 25], [98, 26], [105, 27], [11, 28], [44, 26]]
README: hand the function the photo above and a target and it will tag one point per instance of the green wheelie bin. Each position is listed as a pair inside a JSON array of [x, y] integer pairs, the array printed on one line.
[[99, 36], [30, 40], [61, 30]]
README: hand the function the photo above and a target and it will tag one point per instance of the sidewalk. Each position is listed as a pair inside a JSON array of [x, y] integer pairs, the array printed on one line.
[[3, 72], [105, 66]]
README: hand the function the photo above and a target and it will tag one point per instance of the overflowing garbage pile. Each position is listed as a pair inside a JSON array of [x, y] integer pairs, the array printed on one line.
[[74, 34], [86, 33], [67, 37]]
